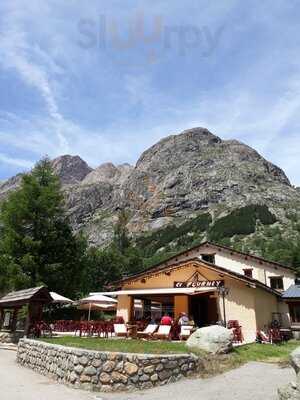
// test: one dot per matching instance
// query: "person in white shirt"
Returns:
(183, 320)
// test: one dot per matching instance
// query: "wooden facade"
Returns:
(11, 304)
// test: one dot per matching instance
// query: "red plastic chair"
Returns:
(275, 335)
(238, 336)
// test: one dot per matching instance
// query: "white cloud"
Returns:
(17, 162)
(242, 108)
(33, 65)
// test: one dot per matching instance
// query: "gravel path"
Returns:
(254, 381)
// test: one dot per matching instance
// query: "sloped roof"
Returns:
(162, 264)
(231, 250)
(293, 292)
(20, 297)
(254, 257)
(235, 275)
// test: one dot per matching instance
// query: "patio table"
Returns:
(132, 330)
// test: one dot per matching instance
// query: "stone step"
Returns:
(8, 346)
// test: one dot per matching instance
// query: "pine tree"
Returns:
(37, 244)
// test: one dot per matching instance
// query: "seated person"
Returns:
(184, 319)
(166, 320)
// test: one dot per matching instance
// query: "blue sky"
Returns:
(105, 80)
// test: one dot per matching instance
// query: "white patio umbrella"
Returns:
(99, 300)
(59, 299)
(95, 307)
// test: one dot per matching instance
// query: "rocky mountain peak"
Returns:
(70, 169)
(9, 185)
(177, 178)
(108, 173)
(179, 146)
(104, 173)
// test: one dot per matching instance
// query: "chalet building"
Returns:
(292, 298)
(213, 283)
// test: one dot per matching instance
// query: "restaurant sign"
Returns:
(197, 281)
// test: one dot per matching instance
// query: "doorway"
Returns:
(204, 310)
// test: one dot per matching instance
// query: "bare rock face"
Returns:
(108, 173)
(104, 173)
(70, 169)
(125, 171)
(180, 176)
(10, 185)
(196, 171)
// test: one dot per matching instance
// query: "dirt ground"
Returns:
(253, 381)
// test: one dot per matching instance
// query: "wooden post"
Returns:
(1, 317)
(39, 312)
(28, 321)
(146, 308)
(131, 309)
(89, 315)
(14, 320)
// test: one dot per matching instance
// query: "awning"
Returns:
(59, 299)
(292, 293)
(135, 292)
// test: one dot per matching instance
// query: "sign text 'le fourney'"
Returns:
(198, 284)
(198, 280)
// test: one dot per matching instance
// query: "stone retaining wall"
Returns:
(10, 337)
(104, 371)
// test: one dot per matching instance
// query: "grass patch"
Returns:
(214, 365)
(210, 364)
(265, 352)
(120, 345)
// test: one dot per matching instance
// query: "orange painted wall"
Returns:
(181, 304)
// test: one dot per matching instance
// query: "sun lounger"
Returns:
(148, 331)
(120, 330)
(185, 332)
(163, 332)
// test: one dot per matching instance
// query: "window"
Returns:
(208, 258)
(7, 319)
(276, 282)
(248, 272)
(295, 312)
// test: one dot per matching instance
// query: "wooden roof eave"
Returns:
(163, 264)
(220, 270)
(15, 300)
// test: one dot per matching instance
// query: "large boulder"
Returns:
(289, 392)
(292, 390)
(295, 362)
(212, 339)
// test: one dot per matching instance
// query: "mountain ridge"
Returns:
(175, 180)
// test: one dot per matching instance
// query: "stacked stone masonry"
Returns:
(104, 371)
(8, 337)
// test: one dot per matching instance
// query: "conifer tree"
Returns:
(37, 244)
